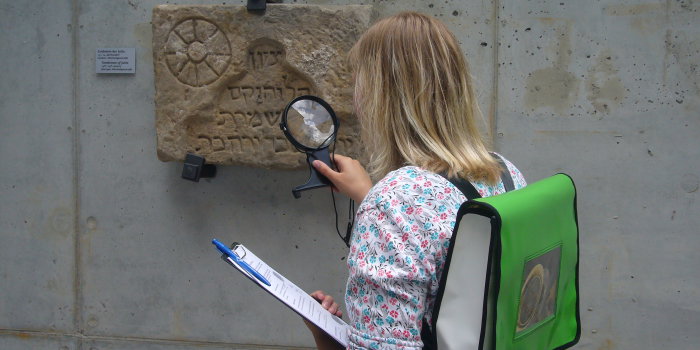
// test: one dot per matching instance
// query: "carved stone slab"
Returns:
(223, 76)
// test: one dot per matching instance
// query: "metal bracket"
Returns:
(257, 5)
(195, 168)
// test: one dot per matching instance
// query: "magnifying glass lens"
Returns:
(310, 124)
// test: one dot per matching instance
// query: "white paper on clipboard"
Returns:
(292, 296)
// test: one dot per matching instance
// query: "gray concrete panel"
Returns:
(36, 181)
(605, 92)
(150, 268)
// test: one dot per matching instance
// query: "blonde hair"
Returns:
(415, 101)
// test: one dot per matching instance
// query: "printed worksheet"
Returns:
(291, 295)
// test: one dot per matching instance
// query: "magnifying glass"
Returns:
(311, 126)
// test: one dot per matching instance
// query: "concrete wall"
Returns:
(104, 247)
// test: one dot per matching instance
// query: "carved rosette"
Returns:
(197, 52)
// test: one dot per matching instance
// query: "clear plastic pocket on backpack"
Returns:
(538, 294)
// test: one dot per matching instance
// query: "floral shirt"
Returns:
(397, 254)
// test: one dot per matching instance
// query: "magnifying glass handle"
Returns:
(324, 156)
(316, 180)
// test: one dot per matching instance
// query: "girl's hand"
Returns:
(351, 178)
(327, 302)
(323, 340)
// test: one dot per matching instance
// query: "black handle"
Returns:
(316, 180)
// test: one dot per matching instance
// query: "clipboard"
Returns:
(290, 294)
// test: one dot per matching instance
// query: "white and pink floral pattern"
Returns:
(397, 254)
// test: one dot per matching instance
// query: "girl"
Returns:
(417, 109)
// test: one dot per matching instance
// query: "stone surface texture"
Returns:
(224, 75)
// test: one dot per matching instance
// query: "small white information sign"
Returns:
(115, 60)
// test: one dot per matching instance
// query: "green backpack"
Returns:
(510, 279)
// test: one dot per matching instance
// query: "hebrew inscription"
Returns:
(224, 77)
(245, 126)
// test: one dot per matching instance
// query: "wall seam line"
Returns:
(493, 116)
(77, 273)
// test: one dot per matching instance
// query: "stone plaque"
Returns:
(223, 76)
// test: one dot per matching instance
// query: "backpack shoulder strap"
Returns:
(463, 185)
(505, 173)
(470, 191)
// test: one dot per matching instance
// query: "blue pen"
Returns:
(224, 249)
